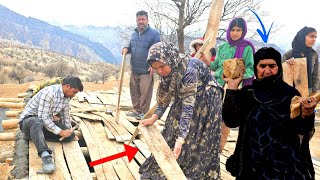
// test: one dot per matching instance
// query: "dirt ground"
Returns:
(12, 90)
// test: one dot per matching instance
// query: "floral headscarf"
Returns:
(168, 54)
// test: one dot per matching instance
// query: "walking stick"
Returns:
(120, 87)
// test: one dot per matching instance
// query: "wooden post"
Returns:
(22, 95)
(11, 100)
(7, 136)
(10, 123)
(11, 105)
(12, 113)
(120, 87)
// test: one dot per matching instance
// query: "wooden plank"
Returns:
(113, 131)
(80, 96)
(119, 166)
(162, 153)
(87, 116)
(76, 162)
(99, 152)
(133, 166)
(109, 133)
(92, 148)
(296, 75)
(142, 147)
(35, 163)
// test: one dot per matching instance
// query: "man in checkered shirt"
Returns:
(46, 116)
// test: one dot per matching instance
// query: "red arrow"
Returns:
(129, 151)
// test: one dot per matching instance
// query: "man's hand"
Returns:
(204, 59)
(76, 138)
(65, 133)
(124, 51)
(232, 83)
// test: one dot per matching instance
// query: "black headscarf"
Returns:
(266, 88)
(299, 49)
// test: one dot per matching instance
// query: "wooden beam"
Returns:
(162, 153)
(12, 113)
(10, 123)
(7, 136)
(12, 105)
(16, 100)
(35, 163)
(76, 162)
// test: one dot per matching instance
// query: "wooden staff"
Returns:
(120, 87)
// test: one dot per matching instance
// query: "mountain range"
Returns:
(89, 43)
(38, 33)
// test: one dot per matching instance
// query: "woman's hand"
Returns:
(290, 61)
(204, 59)
(307, 106)
(177, 149)
(149, 121)
(232, 83)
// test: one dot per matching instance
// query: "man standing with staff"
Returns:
(141, 80)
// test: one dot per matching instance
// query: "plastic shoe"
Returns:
(132, 114)
(48, 164)
(140, 116)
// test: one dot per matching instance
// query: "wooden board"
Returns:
(76, 162)
(119, 166)
(35, 163)
(162, 153)
(296, 75)
(100, 152)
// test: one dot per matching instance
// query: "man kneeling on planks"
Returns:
(39, 121)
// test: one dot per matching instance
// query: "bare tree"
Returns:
(18, 74)
(50, 71)
(173, 17)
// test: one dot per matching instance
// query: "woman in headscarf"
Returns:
(236, 47)
(302, 47)
(270, 145)
(192, 128)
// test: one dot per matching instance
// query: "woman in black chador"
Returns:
(270, 145)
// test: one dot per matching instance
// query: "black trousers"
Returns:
(33, 128)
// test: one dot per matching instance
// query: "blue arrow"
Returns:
(264, 35)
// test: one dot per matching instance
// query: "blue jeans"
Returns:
(33, 128)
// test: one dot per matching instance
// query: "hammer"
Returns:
(72, 129)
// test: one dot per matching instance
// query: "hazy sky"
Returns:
(291, 14)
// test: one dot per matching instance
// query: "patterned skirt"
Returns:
(199, 157)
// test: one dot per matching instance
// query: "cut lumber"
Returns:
(296, 75)
(12, 105)
(80, 96)
(10, 136)
(16, 100)
(22, 95)
(119, 166)
(35, 163)
(10, 123)
(87, 116)
(92, 149)
(162, 153)
(12, 113)
(76, 162)
(143, 148)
